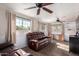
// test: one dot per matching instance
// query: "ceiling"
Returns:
(64, 11)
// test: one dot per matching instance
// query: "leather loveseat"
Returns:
(37, 40)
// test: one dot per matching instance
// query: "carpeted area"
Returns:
(53, 49)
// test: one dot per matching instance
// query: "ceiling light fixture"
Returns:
(58, 20)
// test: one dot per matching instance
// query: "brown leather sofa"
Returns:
(8, 49)
(5, 45)
(37, 40)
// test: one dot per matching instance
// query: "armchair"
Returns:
(37, 40)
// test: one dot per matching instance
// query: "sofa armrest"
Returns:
(43, 37)
(33, 40)
(47, 37)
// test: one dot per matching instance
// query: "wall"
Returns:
(3, 25)
(21, 40)
(35, 25)
(69, 29)
(43, 28)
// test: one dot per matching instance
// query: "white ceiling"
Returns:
(64, 11)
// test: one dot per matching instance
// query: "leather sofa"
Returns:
(8, 49)
(37, 40)
(5, 45)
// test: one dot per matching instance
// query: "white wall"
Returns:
(46, 30)
(35, 25)
(43, 28)
(21, 40)
(3, 25)
(69, 29)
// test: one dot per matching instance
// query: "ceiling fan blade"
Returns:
(38, 11)
(45, 4)
(30, 8)
(46, 9)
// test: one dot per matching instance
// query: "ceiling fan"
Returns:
(41, 6)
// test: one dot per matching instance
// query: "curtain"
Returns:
(11, 27)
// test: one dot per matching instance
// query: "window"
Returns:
(23, 24)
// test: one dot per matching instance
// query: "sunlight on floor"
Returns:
(62, 46)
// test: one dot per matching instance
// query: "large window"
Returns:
(23, 24)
